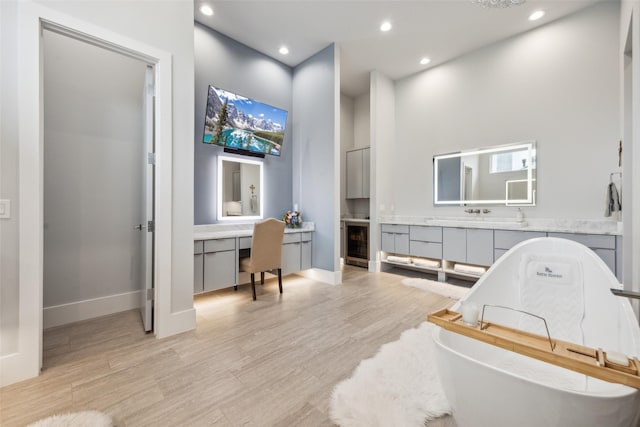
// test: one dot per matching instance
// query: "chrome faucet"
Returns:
(473, 211)
(485, 211)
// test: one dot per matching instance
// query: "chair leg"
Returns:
(262, 277)
(253, 285)
(280, 279)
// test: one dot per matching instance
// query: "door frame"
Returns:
(33, 17)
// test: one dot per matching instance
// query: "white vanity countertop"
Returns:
(362, 220)
(531, 224)
(221, 231)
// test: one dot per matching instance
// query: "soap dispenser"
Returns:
(519, 215)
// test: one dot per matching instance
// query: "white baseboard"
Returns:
(181, 321)
(88, 309)
(324, 276)
(13, 369)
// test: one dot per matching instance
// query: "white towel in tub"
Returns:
(552, 287)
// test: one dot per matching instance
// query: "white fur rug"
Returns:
(444, 289)
(399, 386)
(76, 419)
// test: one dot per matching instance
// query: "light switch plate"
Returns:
(5, 208)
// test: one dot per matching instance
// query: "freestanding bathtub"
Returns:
(568, 285)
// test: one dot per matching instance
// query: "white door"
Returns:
(146, 228)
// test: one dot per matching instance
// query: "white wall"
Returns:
(630, 131)
(362, 121)
(316, 160)
(346, 143)
(9, 288)
(557, 84)
(383, 153)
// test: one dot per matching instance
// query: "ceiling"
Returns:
(438, 29)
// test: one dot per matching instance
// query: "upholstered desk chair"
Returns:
(266, 251)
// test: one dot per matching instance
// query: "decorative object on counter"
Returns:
(519, 215)
(292, 219)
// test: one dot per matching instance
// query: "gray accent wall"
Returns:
(225, 63)
(316, 102)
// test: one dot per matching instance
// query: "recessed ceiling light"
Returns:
(425, 61)
(386, 26)
(283, 50)
(206, 10)
(536, 15)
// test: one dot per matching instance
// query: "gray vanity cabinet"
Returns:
(220, 264)
(468, 245)
(291, 253)
(602, 244)
(395, 238)
(198, 266)
(305, 251)
(479, 246)
(425, 241)
(506, 239)
(454, 244)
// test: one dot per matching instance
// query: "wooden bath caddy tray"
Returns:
(578, 358)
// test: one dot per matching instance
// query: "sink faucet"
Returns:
(473, 211)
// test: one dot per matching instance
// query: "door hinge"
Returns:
(151, 158)
(151, 226)
(150, 294)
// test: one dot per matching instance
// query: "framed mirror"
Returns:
(240, 189)
(499, 175)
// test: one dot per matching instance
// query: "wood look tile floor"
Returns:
(270, 362)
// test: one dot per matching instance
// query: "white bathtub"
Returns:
(489, 386)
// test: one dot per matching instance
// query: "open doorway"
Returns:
(98, 181)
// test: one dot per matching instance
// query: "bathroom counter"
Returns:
(544, 225)
(221, 231)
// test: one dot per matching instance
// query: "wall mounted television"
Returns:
(243, 125)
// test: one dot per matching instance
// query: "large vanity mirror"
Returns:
(499, 175)
(240, 188)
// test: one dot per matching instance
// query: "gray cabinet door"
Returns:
(506, 239)
(290, 258)
(354, 174)
(479, 246)
(198, 273)
(219, 270)
(305, 256)
(608, 256)
(454, 244)
(387, 243)
(401, 242)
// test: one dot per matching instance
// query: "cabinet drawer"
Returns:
(216, 245)
(593, 241)
(197, 247)
(244, 243)
(291, 238)
(506, 239)
(425, 249)
(306, 236)
(394, 228)
(425, 233)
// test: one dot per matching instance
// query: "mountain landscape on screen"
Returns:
(242, 123)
